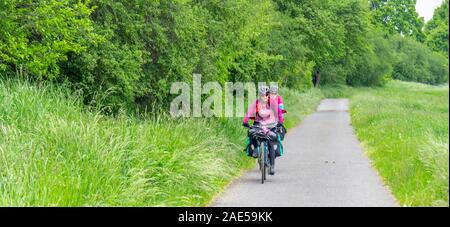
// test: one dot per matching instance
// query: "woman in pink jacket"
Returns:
(276, 99)
(273, 90)
(265, 112)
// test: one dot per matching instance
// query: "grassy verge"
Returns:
(55, 152)
(404, 130)
(299, 105)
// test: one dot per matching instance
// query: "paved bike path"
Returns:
(324, 165)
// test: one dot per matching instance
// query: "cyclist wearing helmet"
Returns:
(276, 100)
(261, 110)
(273, 90)
(263, 113)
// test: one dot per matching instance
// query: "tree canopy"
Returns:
(400, 17)
(436, 29)
(128, 53)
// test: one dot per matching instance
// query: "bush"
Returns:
(333, 75)
(36, 36)
(415, 62)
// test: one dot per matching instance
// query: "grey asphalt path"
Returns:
(323, 165)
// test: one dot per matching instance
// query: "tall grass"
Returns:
(56, 152)
(434, 155)
(404, 129)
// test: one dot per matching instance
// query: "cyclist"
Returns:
(276, 99)
(273, 90)
(263, 114)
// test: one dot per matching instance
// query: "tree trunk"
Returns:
(316, 79)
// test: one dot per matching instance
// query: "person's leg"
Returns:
(253, 147)
(249, 149)
(272, 151)
(254, 142)
(279, 146)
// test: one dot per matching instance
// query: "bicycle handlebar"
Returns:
(271, 125)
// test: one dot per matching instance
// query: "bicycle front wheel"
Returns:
(262, 161)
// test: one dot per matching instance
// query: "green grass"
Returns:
(299, 105)
(404, 130)
(56, 152)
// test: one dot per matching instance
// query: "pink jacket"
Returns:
(265, 114)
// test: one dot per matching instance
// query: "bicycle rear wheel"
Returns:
(266, 147)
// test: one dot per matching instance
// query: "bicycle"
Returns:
(263, 134)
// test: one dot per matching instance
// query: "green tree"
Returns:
(126, 54)
(318, 30)
(148, 45)
(36, 36)
(416, 62)
(373, 66)
(237, 32)
(398, 16)
(352, 15)
(436, 30)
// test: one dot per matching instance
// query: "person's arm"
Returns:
(250, 113)
(281, 105)
(280, 110)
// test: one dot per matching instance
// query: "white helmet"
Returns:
(263, 89)
(273, 89)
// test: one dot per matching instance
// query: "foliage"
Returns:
(415, 62)
(398, 17)
(126, 54)
(37, 36)
(436, 30)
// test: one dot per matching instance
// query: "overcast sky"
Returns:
(425, 8)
